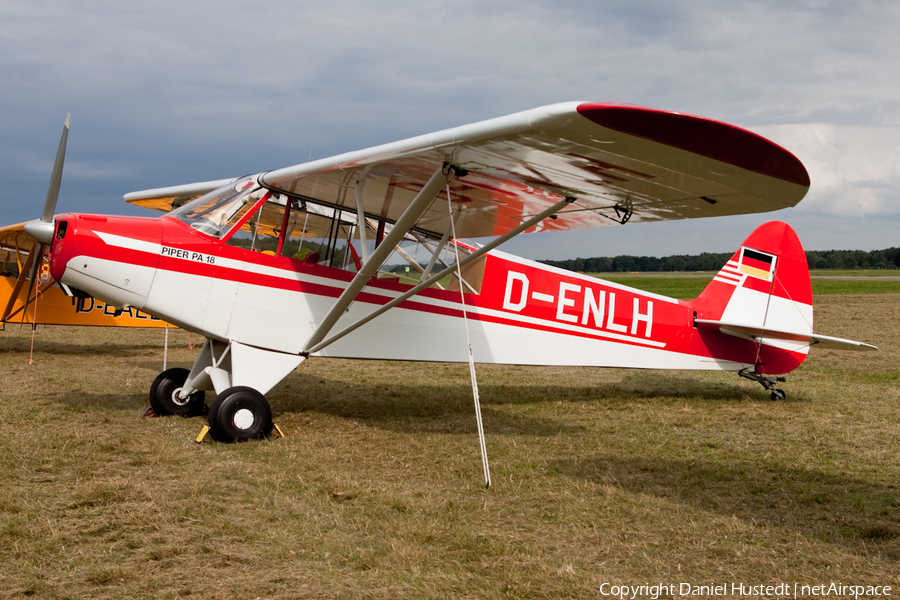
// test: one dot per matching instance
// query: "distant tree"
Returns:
(892, 257)
(713, 261)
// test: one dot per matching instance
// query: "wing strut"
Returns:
(440, 245)
(361, 214)
(318, 345)
(406, 221)
(24, 270)
(435, 256)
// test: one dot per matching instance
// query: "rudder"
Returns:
(765, 285)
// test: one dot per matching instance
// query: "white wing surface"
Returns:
(621, 163)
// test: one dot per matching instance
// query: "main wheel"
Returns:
(164, 398)
(239, 414)
(778, 395)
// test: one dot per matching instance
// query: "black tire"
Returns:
(239, 414)
(162, 395)
(778, 395)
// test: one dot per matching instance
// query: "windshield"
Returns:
(218, 211)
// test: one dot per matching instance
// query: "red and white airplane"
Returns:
(355, 256)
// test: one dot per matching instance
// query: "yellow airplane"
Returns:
(35, 298)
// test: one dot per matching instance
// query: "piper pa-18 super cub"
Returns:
(357, 256)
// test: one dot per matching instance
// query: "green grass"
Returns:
(687, 286)
(855, 286)
(600, 476)
(855, 272)
(681, 287)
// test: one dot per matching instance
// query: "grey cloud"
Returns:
(166, 92)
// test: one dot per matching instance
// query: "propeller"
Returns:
(42, 229)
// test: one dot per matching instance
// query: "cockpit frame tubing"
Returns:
(407, 220)
(361, 214)
(284, 222)
(440, 245)
(247, 216)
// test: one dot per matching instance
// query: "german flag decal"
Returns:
(757, 264)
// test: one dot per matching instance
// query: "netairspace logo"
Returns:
(724, 590)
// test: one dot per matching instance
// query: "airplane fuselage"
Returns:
(524, 312)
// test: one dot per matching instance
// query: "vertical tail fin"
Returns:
(765, 285)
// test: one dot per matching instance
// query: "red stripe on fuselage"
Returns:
(554, 301)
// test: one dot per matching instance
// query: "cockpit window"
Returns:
(218, 211)
(322, 235)
(306, 232)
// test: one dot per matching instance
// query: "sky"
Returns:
(166, 92)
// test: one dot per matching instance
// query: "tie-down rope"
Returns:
(37, 294)
(462, 297)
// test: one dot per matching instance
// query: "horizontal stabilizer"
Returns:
(760, 334)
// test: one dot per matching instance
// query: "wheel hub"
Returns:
(243, 419)
(177, 399)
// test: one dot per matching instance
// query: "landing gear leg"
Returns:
(767, 382)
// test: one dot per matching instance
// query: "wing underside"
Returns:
(620, 163)
(14, 242)
(170, 198)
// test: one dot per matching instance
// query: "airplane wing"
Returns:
(621, 163)
(757, 334)
(171, 197)
(14, 240)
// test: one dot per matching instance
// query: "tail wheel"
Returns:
(239, 414)
(164, 399)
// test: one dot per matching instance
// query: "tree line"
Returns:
(713, 261)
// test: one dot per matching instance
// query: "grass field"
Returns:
(686, 286)
(600, 476)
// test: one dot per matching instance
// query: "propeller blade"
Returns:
(32, 282)
(35, 265)
(42, 229)
(56, 177)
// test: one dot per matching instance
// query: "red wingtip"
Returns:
(709, 138)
